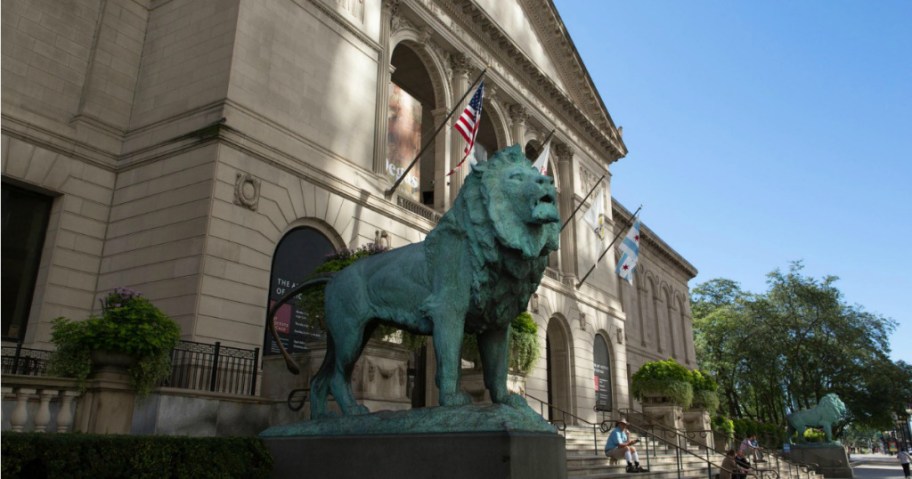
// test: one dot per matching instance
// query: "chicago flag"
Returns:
(630, 252)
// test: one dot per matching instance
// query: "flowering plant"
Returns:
(129, 324)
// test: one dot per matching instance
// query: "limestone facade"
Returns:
(179, 141)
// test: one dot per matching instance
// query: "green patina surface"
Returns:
(491, 418)
(473, 274)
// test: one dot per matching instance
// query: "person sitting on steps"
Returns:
(743, 463)
(619, 446)
(749, 447)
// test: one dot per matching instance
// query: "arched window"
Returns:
(601, 362)
(296, 257)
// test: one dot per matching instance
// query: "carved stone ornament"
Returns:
(247, 191)
(518, 113)
(589, 178)
(460, 63)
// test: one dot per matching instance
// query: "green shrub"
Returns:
(524, 345)
(129, 324)
(92, 456)
(705, 390)
(814, 435)
(665, 378)
(724, 425)
(769, 435)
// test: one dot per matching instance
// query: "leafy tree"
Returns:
(785, 349)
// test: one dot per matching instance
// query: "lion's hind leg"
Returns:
(348, 348)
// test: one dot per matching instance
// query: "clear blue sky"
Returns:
(763, 132)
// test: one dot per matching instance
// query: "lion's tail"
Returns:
(310, 281)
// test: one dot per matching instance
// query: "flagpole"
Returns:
(388, 193)
(618, 235)
(548, 138)
(580, 205)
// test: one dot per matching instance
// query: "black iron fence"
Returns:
(198, 366)
(213, 367)
(24, 361)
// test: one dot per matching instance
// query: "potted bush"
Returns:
(724, 432)
(705, 391)
(524, 345)
(663, 382)
(131, 333)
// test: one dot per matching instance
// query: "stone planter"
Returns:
(668, 415)
(111, 361)
(472, 382)
(108, 404)
(698, 426)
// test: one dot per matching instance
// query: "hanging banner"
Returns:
(602, 375)
(403, 141)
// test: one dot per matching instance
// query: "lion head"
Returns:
(832, 408)
(520, 202)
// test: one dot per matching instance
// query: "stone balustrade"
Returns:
(39, 404)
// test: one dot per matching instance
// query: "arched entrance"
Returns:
(410, 123)
(557, 355)
(296, 257)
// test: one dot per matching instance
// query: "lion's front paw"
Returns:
(457, 398)
(513, 400)
(357, 410)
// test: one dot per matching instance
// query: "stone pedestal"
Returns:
(668, 415)
(489, 455)
(698, 426)
(491, 442)
(832, 460)
(107, 407)
(472, 382)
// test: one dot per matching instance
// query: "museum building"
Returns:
(211, 153)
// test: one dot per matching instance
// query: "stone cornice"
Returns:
(559, 44)
(465, 17)
(649, 238)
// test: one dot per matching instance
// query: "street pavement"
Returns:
(876, 466)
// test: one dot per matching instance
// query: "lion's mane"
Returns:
(508, 256)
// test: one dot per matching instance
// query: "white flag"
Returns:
(541, 163)
(630, 252)
(595, 215)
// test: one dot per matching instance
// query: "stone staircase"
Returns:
(585, 459)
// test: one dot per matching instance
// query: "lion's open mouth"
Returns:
(546, 209)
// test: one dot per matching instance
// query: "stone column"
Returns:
(669, 313)
(655, 307)
(461, 65)
(518, 117)
(568, 237)
(441, 160)
(384, 73)
(687, 327)
(641, 296)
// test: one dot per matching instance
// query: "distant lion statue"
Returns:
(828, 412)
(474, 273)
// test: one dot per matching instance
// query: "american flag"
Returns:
(467, 124)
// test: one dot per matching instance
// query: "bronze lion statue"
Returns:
(473, 273)
(828, 412)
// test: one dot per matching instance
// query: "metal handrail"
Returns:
(563, 426)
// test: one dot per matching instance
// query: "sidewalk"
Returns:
(873, 459)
